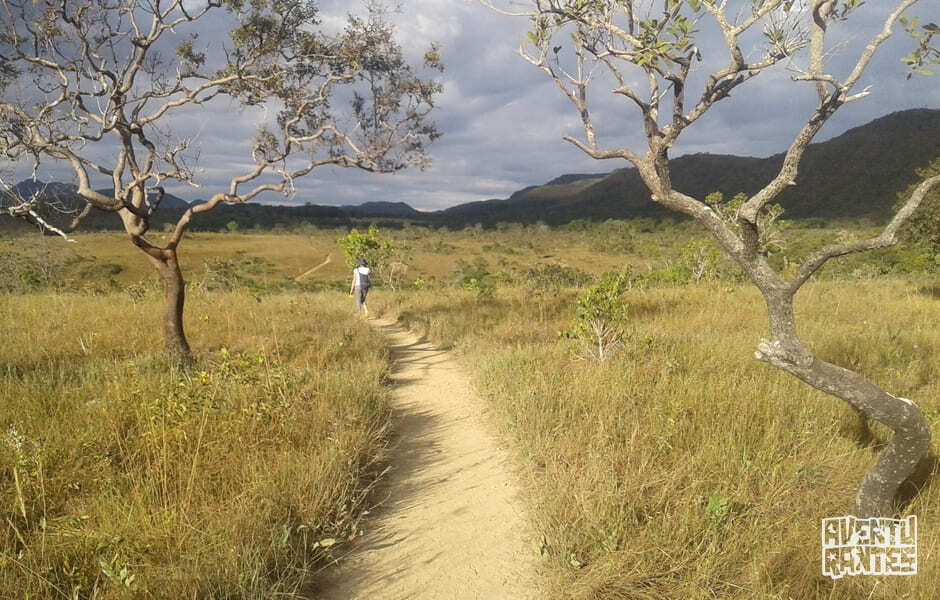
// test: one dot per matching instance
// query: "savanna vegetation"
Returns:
(127, 474)
(647, 65)
(344, 98)
(672, 468)
(660, 462)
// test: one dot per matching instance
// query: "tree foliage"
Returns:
(600, 317)
(924, 226)
(925, 54)
(368, 245)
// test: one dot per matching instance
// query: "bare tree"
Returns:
(647, 51)
(101, 87)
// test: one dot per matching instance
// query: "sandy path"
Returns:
(450, 524)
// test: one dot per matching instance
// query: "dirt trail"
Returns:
(450, 523)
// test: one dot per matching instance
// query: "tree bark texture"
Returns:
(174, 337)
(911, 439)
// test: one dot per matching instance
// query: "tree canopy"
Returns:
(103, 86)
(118, 89)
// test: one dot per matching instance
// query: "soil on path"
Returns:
(450, 524)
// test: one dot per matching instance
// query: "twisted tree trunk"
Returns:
(165, 263)
(911, 439)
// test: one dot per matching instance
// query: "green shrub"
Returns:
(481, 288)
(464, 271)
(388, 260)
(676, 274)
(616, 237)
(923, 228)
(475, 277)
(600, 316)
(34, 269)
(368, 245)
(702, 259)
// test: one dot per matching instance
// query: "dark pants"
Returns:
(360, 294)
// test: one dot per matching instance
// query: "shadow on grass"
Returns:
(927, 469)
(467, 311)
(861, 433)
(645, 308)
(931, 290)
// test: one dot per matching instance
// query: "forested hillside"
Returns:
(856, 175)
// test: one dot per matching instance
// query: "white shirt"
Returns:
(358, 272)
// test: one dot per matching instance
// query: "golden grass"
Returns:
(622, 457)
(432, 254)
(220, 480)
(125, 475)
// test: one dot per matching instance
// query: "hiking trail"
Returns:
(450, 524)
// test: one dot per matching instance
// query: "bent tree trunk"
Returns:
(911, 439)
(167, 266)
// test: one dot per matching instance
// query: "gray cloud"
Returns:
(503, 120)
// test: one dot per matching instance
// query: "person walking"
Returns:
(361, 282)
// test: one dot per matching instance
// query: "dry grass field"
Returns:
(682, 467)
(678, 468)
(125, 475)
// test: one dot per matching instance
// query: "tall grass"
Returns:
(123, 474)
(683, 468)
(680, 468)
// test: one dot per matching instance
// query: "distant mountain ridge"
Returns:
(854, 175)
(381, 209)
(68, 193)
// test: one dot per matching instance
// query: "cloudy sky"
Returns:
(503, 120)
